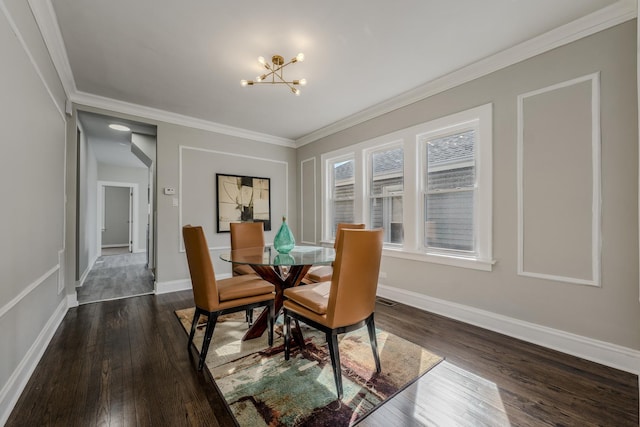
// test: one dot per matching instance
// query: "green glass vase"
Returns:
(284, 240)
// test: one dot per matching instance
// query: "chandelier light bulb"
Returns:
(300, 57)
(243, 82)
(261, 60)
(302, 82)
(296, 91)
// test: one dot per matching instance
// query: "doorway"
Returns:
(115, 232)
(118, 219)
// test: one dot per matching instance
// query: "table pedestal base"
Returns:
(296, 273)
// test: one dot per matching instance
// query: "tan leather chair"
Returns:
(344, 304)
(216, 297)
(322, 273)
(246, 235)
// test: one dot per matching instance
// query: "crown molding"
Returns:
(97, 101)
(607, 17)
(47, 22)
(617, 13)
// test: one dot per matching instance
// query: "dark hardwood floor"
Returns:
(125, 363)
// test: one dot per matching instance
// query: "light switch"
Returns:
(169, 190)
(175, 202)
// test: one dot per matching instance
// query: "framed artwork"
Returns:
(243, 199)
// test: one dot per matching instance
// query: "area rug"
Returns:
(263, 389)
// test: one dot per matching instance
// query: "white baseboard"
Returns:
(72, 300)
(86, 272)
(180, 285)
(172, 286)
(605, 353)
(18, 380)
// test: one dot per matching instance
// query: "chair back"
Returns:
(246, 235)
(355, 277)
(203, 279)
(343, 225)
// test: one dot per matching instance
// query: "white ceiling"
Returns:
(188, 57)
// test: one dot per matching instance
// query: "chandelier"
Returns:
(274, 74)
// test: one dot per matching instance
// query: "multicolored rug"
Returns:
(263, 389)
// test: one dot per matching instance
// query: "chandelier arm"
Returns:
(283, 82)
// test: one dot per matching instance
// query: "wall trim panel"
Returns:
(206, 150)
(595, 183)
(26, 291)
(313, 209)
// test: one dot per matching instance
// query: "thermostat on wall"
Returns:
(169, 190)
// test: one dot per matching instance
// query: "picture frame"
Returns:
(241, 198)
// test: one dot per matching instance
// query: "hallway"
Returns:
(116, 276)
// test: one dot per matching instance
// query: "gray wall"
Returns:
(188, 160)
(146, 145)
(32, 301)
(609, 313)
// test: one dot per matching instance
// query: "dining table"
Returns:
(280, 269)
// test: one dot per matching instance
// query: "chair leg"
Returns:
(272, 312)
(297, 335)
(287, 334)
(249, 317)
(194, 323)
(371, 326)
(332, 340)
(211, 325)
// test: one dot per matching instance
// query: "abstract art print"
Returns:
(243, 199)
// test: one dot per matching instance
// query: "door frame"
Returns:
(133, 212)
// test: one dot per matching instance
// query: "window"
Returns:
(456, 186)
(386, 185)
(450, 189)
(342, 192)
(428, 186)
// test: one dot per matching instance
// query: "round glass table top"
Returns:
(268, 256)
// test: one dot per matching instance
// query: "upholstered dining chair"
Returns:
(322, 273)
(344, 304)
(246, 235)
(217, 297)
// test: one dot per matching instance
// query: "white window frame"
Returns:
(480, 120)
(368, 155)
(413, 203)
(327, 191)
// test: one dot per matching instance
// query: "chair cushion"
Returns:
(242, 287)
(313, 297)
(321, 273)
(240, 269)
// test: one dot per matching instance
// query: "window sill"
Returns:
(475, 264)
